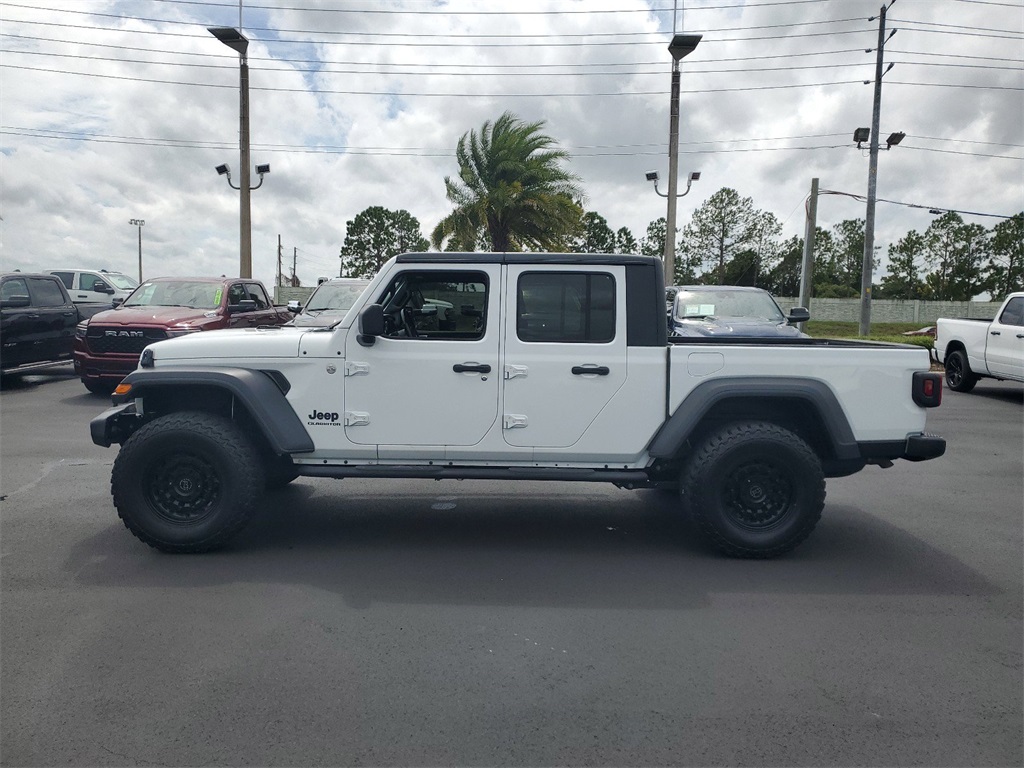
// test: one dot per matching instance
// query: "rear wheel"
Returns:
(186, 482)
(959, 377)
(755, 489)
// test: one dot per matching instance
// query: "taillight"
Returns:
(927, 389)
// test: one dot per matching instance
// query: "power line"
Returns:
(957, 152)
(657, 149)
(474, 66)
(398, 12)
(604, 94)
(419, 35)
(420, 43)
(327, 67)
(862, 198)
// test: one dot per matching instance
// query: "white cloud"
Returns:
(102, 136)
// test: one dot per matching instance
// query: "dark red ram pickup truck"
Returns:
(108, 346)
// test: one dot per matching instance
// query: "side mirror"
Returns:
(799, 315)
(100, 287)
(294, 307)
(16, 301)
(245, 305)
(117, 301)
(371, 324)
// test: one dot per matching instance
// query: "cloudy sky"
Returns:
(112, 110)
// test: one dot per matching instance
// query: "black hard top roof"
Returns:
(595, 259)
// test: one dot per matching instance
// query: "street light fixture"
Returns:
(681, 46)
(860, 135)
(140, 223)
(691, 177)
(225, 170)
(894, 139)
(236, 41)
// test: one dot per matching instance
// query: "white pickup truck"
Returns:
(971, 349)
(511, 366)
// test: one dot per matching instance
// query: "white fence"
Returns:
(894, 311)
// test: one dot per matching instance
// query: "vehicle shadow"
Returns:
(1012, 393)
(481, 547)
(27, 380)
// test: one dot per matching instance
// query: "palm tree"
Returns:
(511, 191)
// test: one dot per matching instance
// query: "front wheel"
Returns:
(959, 377)
(755, 489)
(186, 482)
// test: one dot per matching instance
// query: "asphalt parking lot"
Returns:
(364, 622)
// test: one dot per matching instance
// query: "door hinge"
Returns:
(354, 369)
(356, 418)
(512, 371)
(515, 421)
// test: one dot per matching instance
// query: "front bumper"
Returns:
(111, 426)
(104, 368)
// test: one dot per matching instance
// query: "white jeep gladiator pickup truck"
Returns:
(511, 366)
(971, 349)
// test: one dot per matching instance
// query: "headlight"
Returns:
(80, 329)
(172, 333)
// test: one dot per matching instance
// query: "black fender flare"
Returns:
(705, 396)
(262, 393)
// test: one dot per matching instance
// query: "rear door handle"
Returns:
(582, 370)
(471, 368)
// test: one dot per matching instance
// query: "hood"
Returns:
(231, 343)
(317, 318)
(159, 316)
(739, 327)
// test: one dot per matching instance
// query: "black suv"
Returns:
(37, 322)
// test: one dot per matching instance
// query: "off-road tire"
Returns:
(186, 482)
(755, 489)
(959, 377)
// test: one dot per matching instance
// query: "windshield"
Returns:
(121, 282)
(335, 296)
(698, 304)
(177, 293)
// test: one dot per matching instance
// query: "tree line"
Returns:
(512, 193)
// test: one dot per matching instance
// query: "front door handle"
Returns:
(471, 368)
(995, 333)
(581, 370)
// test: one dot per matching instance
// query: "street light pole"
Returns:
(680, 46)
(234, 39)
(245, 229)
(140, 223)
(869, 215)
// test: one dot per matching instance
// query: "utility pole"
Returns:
(279, 261)
(295, 258)
(807, 267)
(869, 216)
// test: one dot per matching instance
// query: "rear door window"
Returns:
(46, 293)
(565, 307)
